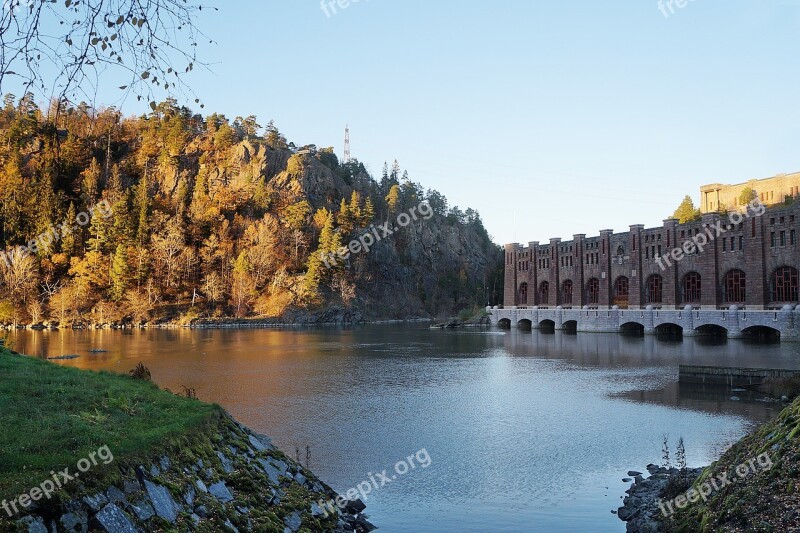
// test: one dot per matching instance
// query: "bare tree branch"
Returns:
(61, 48)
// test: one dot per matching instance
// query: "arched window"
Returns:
(692, 288)
(593, 291)
(734, 287)
(784, 285)
(566, 292)
(655, 289)
(544, 293)
(523, 294)
(620, 251)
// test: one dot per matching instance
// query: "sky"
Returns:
(550, 118)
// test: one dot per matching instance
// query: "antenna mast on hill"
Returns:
(347, 144)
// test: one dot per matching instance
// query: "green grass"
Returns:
(53, 416)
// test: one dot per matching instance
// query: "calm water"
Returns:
(525, 431)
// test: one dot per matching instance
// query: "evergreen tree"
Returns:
(355, 207)
(686, 212)
(393, 200)
(90, 181)
(142, 207)
(368, 214)
(69, 241)
(120, 273)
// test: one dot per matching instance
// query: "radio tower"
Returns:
(347, 144)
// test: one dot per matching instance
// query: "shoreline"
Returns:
(640, 509)
(210, 474)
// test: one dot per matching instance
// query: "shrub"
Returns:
(141, 372)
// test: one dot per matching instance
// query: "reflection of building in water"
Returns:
(646, 368)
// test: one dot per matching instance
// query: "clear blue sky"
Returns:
(568, 116)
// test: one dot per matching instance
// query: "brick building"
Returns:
(770, 191)
(750, 260)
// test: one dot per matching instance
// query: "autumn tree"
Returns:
(686, 212)
(120, 273)
(746, 196)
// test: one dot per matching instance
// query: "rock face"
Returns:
(228, 480)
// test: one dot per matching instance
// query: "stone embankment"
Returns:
(230, 480)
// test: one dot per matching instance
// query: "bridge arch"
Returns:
(524, 323)
(669, 329)
(504, 323)
(632, 328)
(547, 325)
(571, 326)
(762, 333)
(714, 330)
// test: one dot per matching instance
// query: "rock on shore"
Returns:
(640, 507)
(230, 480)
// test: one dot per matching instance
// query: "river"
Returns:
(511, 430)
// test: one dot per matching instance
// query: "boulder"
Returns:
(114, 495)
(260, 443)
(143, 510)
(162, 501)
(95, 502)
(293, 521)
(114, 520)
(32, 524)
(227, 465)
(354, 506)
(221, 492)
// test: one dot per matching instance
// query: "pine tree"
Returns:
(142, 207)
(69, 239)
(120, 273)
(686, 212)
(355, 207)
(90, 181)
(114, 186)
(393, 199)
(368, 214)
(344, 218)
(99, 229)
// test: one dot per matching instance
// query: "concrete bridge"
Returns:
(733, 322)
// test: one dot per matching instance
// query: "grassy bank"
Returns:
(764, 492)
(53, 416)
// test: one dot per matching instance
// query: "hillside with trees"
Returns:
(205, 217)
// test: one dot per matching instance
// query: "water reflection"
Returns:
(523, 427)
